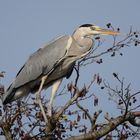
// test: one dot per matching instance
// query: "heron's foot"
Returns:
(49, 111)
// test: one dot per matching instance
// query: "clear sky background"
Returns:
(26, 25)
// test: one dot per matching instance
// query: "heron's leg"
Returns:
(38, 97)
(55, 87)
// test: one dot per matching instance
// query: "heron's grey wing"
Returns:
(44, 58)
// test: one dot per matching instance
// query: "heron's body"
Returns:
(49, 65)
(43, 62)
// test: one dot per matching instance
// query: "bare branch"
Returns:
(114, 123)
(70, 102)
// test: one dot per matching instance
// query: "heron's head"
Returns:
(90, 29)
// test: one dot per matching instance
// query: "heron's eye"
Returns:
(92, 28)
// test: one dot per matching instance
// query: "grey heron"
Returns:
(50, 64)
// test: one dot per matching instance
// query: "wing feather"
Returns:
(42, 60)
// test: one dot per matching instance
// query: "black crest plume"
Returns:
(86, 25)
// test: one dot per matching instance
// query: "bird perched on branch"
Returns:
(50, 64)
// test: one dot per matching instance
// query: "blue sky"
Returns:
(28, 25)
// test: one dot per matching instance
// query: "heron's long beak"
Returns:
(107, 32)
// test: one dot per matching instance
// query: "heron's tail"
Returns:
(8, 96)
(13, 93)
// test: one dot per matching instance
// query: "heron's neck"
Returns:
(81, 39)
